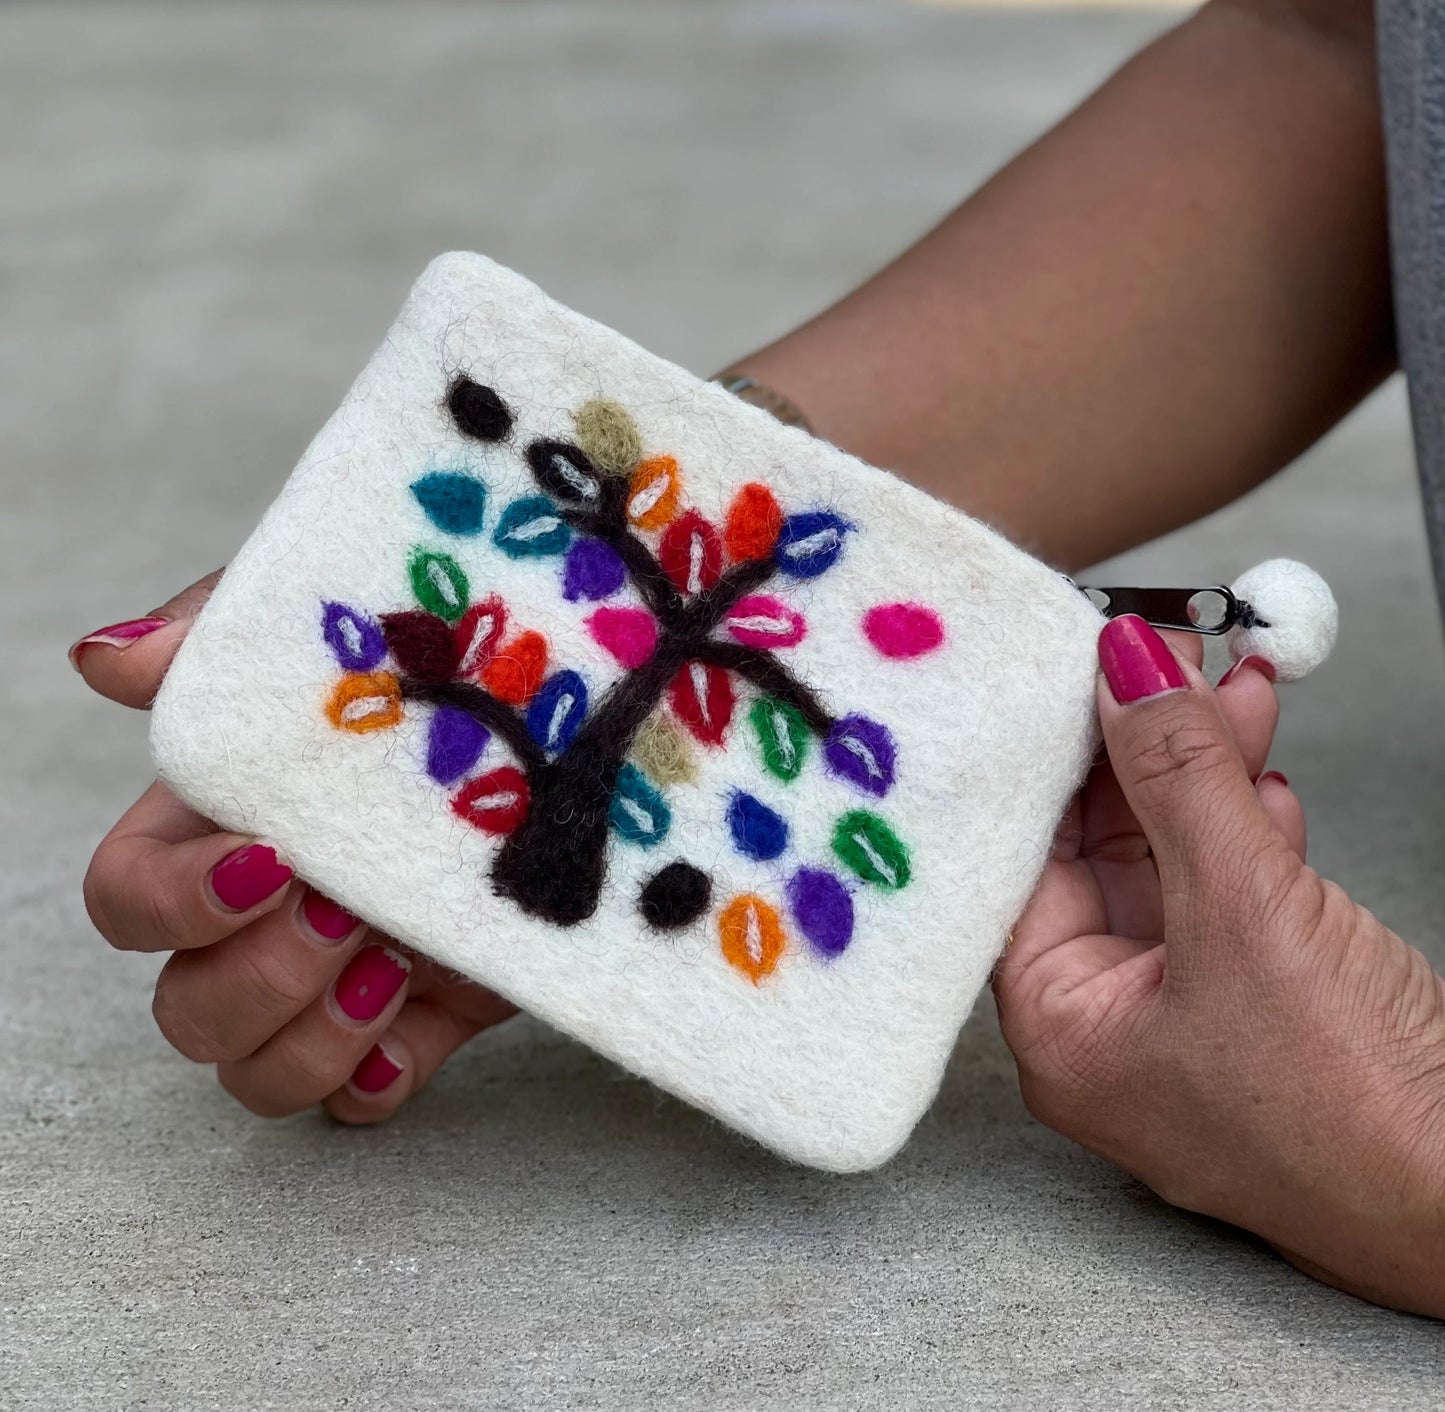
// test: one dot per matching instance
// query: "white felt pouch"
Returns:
(711, 745)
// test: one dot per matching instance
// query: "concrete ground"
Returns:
(208, 215)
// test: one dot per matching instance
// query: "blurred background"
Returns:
(209, 214)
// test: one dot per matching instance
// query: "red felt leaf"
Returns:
(421, 644)
(478, 634)
(691, 553)
(702, 698)
(495, 802)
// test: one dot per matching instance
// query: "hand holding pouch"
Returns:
(698, 738)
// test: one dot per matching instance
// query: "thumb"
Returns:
(127, 661)
(1182, 774)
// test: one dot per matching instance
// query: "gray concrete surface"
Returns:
(207, 216)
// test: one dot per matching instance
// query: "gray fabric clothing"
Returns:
(1412, 83)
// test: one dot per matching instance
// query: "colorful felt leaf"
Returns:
(593, 570)
(478, 634)
(556, 712)
(760, 620)
(454, 501)
(628, 634)
(439, 584)
(608, 435)
(516, 670)
(354, 638)
(691, 553)
(752, 937)
(862, 752)
(758, 832)
(637, 812)
(421, 644)
(903, 630)
(664, 752)
(531, 528)
(783, 735)
(822, 909)
(365, 701)
(753, 523)
(809, 544)
(655, 492)
(455, 743)
(701, 696)
(563, 471)
(866, 845)
(495, 802)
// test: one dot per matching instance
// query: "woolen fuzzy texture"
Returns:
(1294, 619)
(819, 1026)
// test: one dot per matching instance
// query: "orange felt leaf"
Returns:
(654, 493)
(752, 936)
(364, 702)
(753, 524)
(515, 673)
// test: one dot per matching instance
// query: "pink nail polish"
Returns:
(1262, 665)
(1275, 775)
(1137, 662)
(365, 988)
(378, 1070)
(325, 918)
(248, 876)
(116, 635)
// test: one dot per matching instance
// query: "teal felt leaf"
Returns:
(532, 528)
(638, 813)
(454, 502)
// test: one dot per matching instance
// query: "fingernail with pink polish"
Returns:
(365, 988)
(116, 635)
(249, 876)
(1137, 662)
(1274, 775)
(328, 920)
(1262, 665)
(378, 1070)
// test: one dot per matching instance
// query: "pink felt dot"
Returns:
(901, 630)
(629, 634)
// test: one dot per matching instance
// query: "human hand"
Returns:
(1189, 1000)
(292, 999)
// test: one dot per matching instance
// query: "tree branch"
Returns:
(765, 671)
(506, 721)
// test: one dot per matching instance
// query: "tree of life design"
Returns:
(705, 620)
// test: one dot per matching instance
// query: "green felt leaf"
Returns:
(867, 846)
(439, 583)
(783, 735)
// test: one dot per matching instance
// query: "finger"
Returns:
(1180, 770)
(225, 1001)
(319, 1050)
(1285, 811)
(401, 1063)
(1250, 705)
(164, 879)
(127, 661)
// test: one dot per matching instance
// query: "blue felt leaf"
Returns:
(638, 812)
(556, 712)
(863, 753)
(453, 501)
(354, 638)
(809, 544)
(531, 528)
(758, 832)
(454, 745)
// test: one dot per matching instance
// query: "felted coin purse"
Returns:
(703, 741)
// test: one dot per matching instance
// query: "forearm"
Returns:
(1153, 308)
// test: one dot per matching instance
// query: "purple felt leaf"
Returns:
(354, 639)
(455, 744)
(822, 908)
(863, 753)
(593, 571)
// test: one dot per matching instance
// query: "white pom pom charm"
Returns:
(1288, 617)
